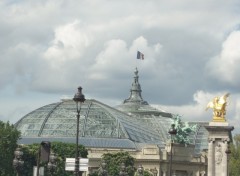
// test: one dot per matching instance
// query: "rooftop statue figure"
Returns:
(218, 104)
(102, 171)
(183, 130)
(140, 171)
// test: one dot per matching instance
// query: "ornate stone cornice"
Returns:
(219, 128)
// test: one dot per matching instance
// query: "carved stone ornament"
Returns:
(218, 154)
(211, 140)
(226, 140)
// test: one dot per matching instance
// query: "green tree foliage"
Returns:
(235, 157)
(114, 161)
(62, 150)
(29, 158)
(8, 143)
(147, 173)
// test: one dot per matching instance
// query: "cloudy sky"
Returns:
(49, 48)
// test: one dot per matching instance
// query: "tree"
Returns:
(62, 150)
(235, 157)
(114, 161)
(147, 173)
(9, 136)
(29, 158)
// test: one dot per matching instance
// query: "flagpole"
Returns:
(136, 60)
(136, 63)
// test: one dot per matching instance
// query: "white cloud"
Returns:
(117, 57)
(53, 46)
(197, 110)
(225, 66)
(70, 42)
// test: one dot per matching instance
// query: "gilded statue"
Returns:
(218, 104)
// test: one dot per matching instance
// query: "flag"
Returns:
(140, 55)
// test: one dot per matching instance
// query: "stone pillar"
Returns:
(164, 173)
(219, 137)
(189, 173)
(211, 157)
(202, 173)
(174, 173)
(225, 158)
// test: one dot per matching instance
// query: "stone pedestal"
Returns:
(219, 139)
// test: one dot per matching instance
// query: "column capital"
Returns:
(226, 140)
(202, 173)
(211, 140)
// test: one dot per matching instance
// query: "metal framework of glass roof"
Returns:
(132, 122)
(96, 120)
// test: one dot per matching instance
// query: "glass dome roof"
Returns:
(132, 123)
(96, 120)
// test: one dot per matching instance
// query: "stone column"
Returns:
(211, 157)
(225, 157)
(174, 173)
(164, 173)
(202, 173)
(189, 173)
(219, 135)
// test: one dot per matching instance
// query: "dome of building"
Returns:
(97, 120)
(135, 104)
(129, 125)
(158, 120)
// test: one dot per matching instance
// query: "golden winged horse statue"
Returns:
(218, 104)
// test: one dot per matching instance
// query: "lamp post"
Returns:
(172, 132)
(228, 152)
(17, 161)
(79, 99)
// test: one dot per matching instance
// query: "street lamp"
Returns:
(172, 132)
(17, 161)
(79, 99)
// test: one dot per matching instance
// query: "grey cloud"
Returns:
(189, 35)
